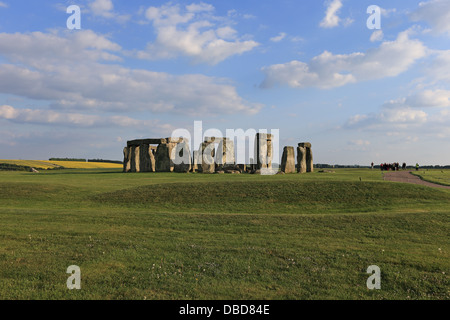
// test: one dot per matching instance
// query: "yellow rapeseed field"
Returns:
(41, 164)
(85, 165)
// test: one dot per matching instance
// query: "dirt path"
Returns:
(408, 177)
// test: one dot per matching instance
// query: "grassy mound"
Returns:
(271, 197)
(170, 236)
(436, 176)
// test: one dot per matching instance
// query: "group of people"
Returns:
(391, 166)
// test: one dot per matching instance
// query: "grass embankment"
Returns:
(435, 175)
(192, 236)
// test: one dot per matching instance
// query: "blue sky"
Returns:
(312, 69)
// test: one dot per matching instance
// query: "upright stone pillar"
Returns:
(225, 157)
(263, 151)
(126, 159)
(132, 159)
(306, 148)
(195, 162)
(288, 160)
(208, 155)
(137, 159)
(301, 160)
(162, 158)
(146, 158)
(309, 160)
(182, 161)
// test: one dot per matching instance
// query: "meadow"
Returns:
(193, 236)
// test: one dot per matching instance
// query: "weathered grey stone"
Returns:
(182, 160)
(126, 159)
(147, 159)
(288, 160)
(305, 145)
(213, 139)
(263, 150)
(195, 162)
(137, 157)
(208, 154)
(225, 155)
(132, 159)
(305, 158)
(136, 143)
(309, 160)
(176, 140)
(301, 160)
(139, 142)
(162, 158)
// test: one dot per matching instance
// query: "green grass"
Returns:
(435, 175)
(193, 236)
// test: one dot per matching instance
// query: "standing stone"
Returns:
(137, 159)
(132, 160)
(126, 159)
(208, 155)
(301, 160)
(182, 160)
(225, 158)
(162, 158)
(263, 151)
(194, 162)
(288, 160)
(147, 160)
(306, 149)
(309, 160)
(252, 166)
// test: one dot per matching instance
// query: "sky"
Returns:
(317, 71)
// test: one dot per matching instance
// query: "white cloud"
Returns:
(331, 18)
(102, 8)
(387, 12)
(3, 5)
(436, 13)
(429, 98)
(327, 70)
(105, 9)
(439, 68)
(50, 67)
(297, 39)
(389, 117)
(360, 142)
(50, 117)
(405, 114)
(377, 35)
(200, 7)
(279, 38)
(191, 31)
(44, 50)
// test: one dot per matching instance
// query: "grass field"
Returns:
(42, 164)
(194, 236)
(435, 175)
